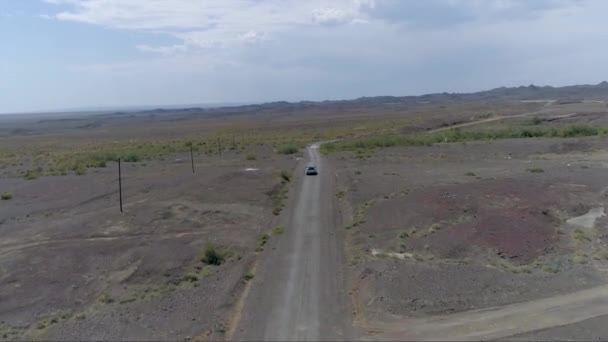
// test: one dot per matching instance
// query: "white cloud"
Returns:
(330, 16)
(165, 50)
(313, 49)
(204, 24)
(252, 37)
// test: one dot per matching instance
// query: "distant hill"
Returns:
(531, 92)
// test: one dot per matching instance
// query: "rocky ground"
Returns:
(72, 266)
(456, 227)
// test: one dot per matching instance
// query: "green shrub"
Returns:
(536, 170)
(287, 149)
(6, 196)
(33, 173)
(581, 235)
(212, 255)
(471, 174)
(106, 299)
(251, 156)
(285, 175)
(278, 230)
(80, 171)
(131, 158)
(535, 121)
(191, 278)
(248, 276)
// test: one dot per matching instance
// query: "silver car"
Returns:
(311, 170)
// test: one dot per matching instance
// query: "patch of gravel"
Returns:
(412, 289)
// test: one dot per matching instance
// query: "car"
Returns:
(311, 170)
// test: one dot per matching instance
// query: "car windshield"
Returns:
(151, 182)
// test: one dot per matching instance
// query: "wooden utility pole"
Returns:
(120, 185)
(192, 157)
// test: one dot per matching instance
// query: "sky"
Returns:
(63, 54)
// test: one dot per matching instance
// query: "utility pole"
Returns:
(219, 147)
(192, 157)
(120, 185)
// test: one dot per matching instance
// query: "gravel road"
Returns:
(298, 293)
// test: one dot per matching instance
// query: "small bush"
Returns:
(471, 174)
(191, 278)
(263, 239)
(550, 269)
(106, 299)
(276, 211)
(206, 271)
(251, 156)
(581, 235)
(285, 175)
(278, 230)
(287, 149)
(536, 170)
(212, 255)
(434, 228)
(131, 158)
(535, 121)
(248, 276)
(6, 196)
(127, 300)
(80, 171)
(33, 173)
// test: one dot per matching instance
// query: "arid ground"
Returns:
(473, 216)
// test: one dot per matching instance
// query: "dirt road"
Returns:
(298, 293)
(499, 323)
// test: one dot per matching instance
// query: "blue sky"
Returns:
(60, 54)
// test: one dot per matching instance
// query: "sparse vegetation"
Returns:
(5, 196)
(459, 135)
(550, 269)
(435, 227)
(127, 300)
(601, 255)
(509, 267)
(251, 156)
(534, 121)
(279, 193)
(206, 271)
(580, 259)
(262, 240)
(190, 277)
(33, 173)
(470, 174)
(287, 149)
(580, 235)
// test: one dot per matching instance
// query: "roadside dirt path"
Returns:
(498, 323)
(477, 122)
(299, 291)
